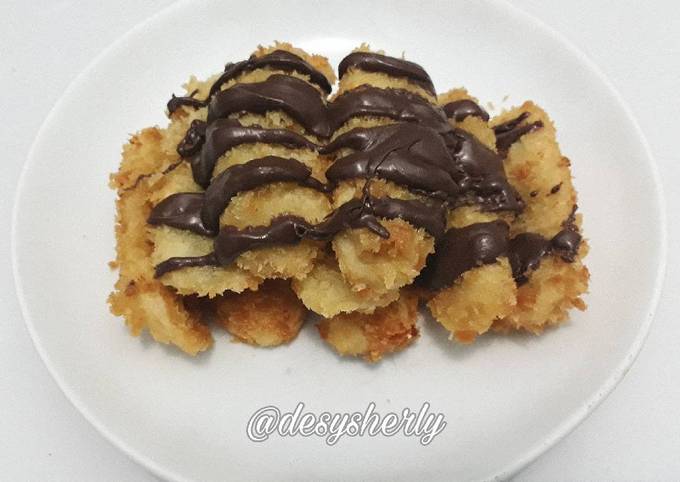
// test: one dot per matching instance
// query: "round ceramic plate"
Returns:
(505, 399)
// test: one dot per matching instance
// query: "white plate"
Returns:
(506, 399)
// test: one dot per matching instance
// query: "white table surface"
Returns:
(633, 435)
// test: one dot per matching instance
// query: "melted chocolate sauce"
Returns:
(225, 134)
(179, 262)
(482, 175)
(462, 249)
(526, 250)
(193, 140)
(566, 243)
(188, 100)
(395, 67)
(182, 211)
(423, 152)
(407, 154)
(278, 60)
(244, 177)
(525, 253)
(458, 110)
(357, 213)
(509, 132)
(399, 105)
(293, 96)
(354, 214)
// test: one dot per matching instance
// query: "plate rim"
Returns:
(558, 433)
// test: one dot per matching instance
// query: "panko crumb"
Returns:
(270, 316)
(371, 336)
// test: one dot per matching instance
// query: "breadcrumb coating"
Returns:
(199, 280)
(369, 263)
(142, 300)
(541, 174)
(375, 265)
(325, 291)
(552, 290)
(141, 157)
(372, 336)
(474, 125)
(270, 316)
(480, 296)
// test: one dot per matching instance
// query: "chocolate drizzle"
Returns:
(421, 151)
(399, 105)
(526, 250)
(566, 243)
(193, 140)
(182, 211)
(225, 134)
(409, 155)
(278, 59)
(244, 177)
(291, 95)
(284, 230)
(509, 132)
(188, 100)
(482, 175)
(458, 110)
(525, 253)
(395, 67)
(354, 214)
(462, 249)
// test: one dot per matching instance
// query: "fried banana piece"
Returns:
(142, 300)
(551, 291)
(325, 291)
(474, 125)
(372, 336)
(476, 299)
(270, 316)
(142, 156)
(482, 295)
(355, 77)
(156, 308)
(373, 265)
(208, 281)
(538, 170)
(170, 242)
(258, 207)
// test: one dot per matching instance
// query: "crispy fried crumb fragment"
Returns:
(270, 316)
(372, 336)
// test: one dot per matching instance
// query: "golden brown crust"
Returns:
(536, 168)
(325, 291)
(542, 175)
(375, 265)
(372, 336)
(478, 298)
(552, 290)
(142, 300)
(270, 316)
